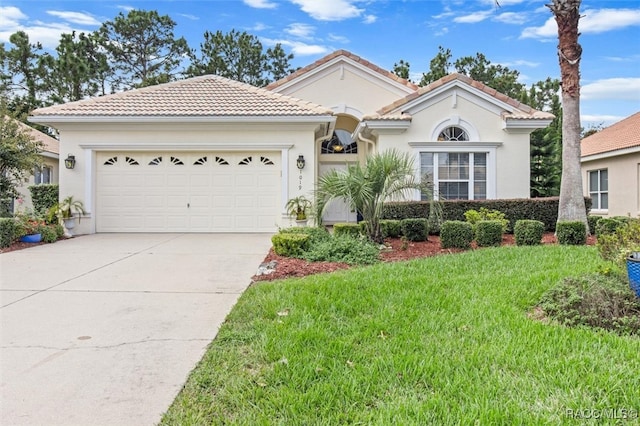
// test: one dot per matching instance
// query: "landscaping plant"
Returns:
(456, 234)
(528, 232)
(571, 233)
(489, 233)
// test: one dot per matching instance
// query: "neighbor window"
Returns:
(599, 189)
(42, 175)
(455, 175)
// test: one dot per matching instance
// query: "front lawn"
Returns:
(441, 340)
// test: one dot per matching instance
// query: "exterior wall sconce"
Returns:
(70, 161)
(300, 162)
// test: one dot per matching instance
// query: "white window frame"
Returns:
(37, 175)
(489, 149)
(598, 193)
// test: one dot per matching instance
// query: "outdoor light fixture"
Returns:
(70, 161)
(300, 162)
(337, 146)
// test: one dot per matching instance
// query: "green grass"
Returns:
(443, 340)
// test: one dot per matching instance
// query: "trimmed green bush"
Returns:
(571, 233)
(415, 229)
(344, 249)
(593, 220)
(7, 231)
(390, 228)
(616, 246)
(596, 301)
(608, 225)
(456, 234)
(49, 234)
(316, 234)
(528, 232)
(543, 209)
(44, 197)
(290, 244)
(475, 216)
(352, 229)
(489, 232)
(6, 207)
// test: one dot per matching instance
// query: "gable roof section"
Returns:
(207, 97)
(336, 56)
(621, 136)
(49, 145)
(515, 110)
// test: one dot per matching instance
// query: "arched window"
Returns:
(453, 133)
(340, 143)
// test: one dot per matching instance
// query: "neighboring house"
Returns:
(611, 168)
(209, 154)
(46, 173)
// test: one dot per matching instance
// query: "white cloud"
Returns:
(260, 4)
(520, 63)
(300, 30)
(338, 38)
(259, 26)
(74, 17)
(592, 22)
(627, 89)
(10, 18)
(125, 7)
(329, 10)
(370, 19)
(298, 48)
(46, 34)
(502, 2)
(589, 121)
(512, 18)
(473, 18)
(188, 16)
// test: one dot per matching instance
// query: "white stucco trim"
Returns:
(524, 124)
(172, 146)
(45, 119)
(385, 126)
(455, 120)
(610, 154)
(284, 157)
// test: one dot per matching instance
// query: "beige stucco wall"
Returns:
(624, 183)
(84, 140)
(348, 89)
(23, 189)
(485, 128)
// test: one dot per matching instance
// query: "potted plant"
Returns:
(67, 211)
(297, 208)
(28, 228)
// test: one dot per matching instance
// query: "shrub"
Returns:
(345, 249)
(415, 229)
(475, 216)
(352, 229)
(316, 234)
(597, 301)
(489, 233)
(7, 231)
(571, 233)
(608, 225)
(49, 233)
(592, 221)
(390, 228)
(616, 246)
(528, 232)
(456, 234)
(290, 244)
(44, 197)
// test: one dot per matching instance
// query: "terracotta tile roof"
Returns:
(204, 96)
(346, 54)
(621, 135)
(521, 111)
(49, 144)
(402, 116)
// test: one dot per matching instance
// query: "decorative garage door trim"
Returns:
(178, 191)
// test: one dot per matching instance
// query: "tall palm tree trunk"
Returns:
(567, 15)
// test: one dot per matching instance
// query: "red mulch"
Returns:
(19, 245)
(290, 267)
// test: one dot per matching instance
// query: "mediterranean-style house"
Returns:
(208, 154)
(610, 167)
(47, 172)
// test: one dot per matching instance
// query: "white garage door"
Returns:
(187, 192)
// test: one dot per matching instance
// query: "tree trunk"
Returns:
(567, 15)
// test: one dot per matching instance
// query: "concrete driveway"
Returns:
(104, 329)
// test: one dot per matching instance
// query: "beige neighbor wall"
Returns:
(346, 87)
(624, 183)
(85, 139)
(485, 128)
(27, 204)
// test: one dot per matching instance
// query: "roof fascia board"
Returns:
(610, 154)
(327, 68)
(46, 119)
(183, 147)
(527, 124)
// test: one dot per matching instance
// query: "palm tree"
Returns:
(388, 176)
(567, 16)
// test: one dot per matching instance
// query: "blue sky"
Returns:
(520, 34)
